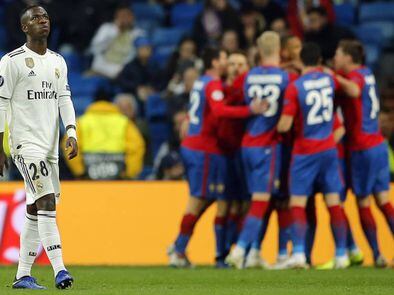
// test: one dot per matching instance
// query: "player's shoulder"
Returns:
(56, 55)
(16, 52)
(14, 55)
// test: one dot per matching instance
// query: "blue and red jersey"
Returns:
(265, 82)
(206, 110)
(310, 100)
(231, 131)
(361, 114)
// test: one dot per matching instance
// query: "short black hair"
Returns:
(26, 9)
(310, 54)
(353, 48)
(208, 55)
(318, 9)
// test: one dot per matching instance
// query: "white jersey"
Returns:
(33, 86)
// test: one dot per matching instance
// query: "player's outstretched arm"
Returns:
(349, 87)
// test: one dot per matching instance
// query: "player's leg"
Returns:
(177, 252)
(384, 204)
(29, 238)
(332, 184)
(197, 167)
(284, 221)
(311, 227)
(363, 179)
(382, 184)
(303, 173)
(220, 233)
(240, 201)
(253, 258)
(355, 255)
(261, 165)
(232, 224)
(29, 243)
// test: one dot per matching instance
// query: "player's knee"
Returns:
(382, 198)
(222, 208)
(332, 200)
(363, 202)
(31, 209)
(46, 203)
(261, 197)
(298, 201)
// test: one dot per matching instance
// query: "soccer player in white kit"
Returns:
(33, 91)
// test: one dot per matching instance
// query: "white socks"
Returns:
(29, 243)
(50, 239)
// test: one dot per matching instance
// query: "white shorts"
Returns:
(41, 178)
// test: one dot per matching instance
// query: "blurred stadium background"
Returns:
(99, 220)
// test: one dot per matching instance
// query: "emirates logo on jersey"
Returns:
(29, 62)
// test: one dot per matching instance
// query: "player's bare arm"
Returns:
(259, 106)
(285, 123)
(71, 145)
(350, 88)
(339, 134)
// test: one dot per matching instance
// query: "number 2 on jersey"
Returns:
(269, 92)
(34, 169)
(319, 99)
(195, 103)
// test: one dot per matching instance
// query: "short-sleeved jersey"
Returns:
(31, 86)
(264, 82)
(310, 100)
(361, 114)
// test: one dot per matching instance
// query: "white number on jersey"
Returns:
(195, 103)
(319, 99)
(271, 93)
(374, 103)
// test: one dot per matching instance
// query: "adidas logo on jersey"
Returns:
(31, 74)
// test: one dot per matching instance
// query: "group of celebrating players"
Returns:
(270, 138)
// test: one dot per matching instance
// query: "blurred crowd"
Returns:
(146, 54)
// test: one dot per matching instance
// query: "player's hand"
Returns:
(72, 145)
(3, 162)
(328, 71)
(259, 106)
(184, 129)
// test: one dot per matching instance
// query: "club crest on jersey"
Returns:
(57, 73)
(29, 62)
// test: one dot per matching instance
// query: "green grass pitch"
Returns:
(208, 281)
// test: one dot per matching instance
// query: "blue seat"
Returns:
(147, 11)
(344, 14)
(73, 61)
(184, 14)
(159, 133)
(156, 107)
(372, 54)
(162, 54)
(167, 36)
(371, 35)
(86, 86)
(386, 28)
(159, 128)
(378, 11)
(81, 103)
